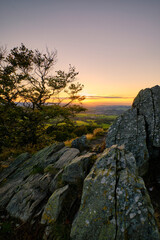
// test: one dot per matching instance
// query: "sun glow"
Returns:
(107, 100)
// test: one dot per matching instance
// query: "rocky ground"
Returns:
(97, 191)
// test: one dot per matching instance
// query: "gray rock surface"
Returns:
(54, 205)
(147, 103)
(129, 129)
(77, 170)
(66, 158)
(28, 197)
(11, 169)
(54, 184)
(139, 129)
(80, 143)
(26, 184)
(115, 204)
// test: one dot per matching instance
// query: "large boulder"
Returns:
(26, 200)
(76, 171)
(147, 104)
(13, 167)
(115, 203)
(54, 205)
(13, 178)
(66, 158)
(139, 129)
(25, 185)
(80, 143)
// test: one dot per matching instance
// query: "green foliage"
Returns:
(6, 227)
(92, 121)
(37, 169)
(80, 130)
(25, 78)
(61, 132)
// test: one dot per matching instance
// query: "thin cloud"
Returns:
(108, 97)
(96, 97)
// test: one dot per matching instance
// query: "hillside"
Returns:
(79, 192)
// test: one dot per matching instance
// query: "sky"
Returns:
(114, 44)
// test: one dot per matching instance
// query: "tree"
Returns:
(26, 85)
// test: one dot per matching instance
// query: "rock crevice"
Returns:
(115, 204)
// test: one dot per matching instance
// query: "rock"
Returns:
(66, 158)
(80, 143)
(29, 181)
(129, 129)
(77, 170)
(54, 205)
(21, 173)
(139, 130)
(48, 155)
(147, 103)
(24, 204)
(115, 203)
(11, 169)
(56, 182)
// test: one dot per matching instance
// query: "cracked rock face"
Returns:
(76, 171)
(54, 205)
(148, 104)
(115, 204)
(24, 185)
(139, 129)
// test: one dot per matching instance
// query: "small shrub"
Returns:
(68, 143)
(98, 132)
(80, 130)
(90, 136)
(90, 128)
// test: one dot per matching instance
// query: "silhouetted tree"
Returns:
(26, 84)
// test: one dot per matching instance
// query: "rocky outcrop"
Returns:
(13, 167)
(139, 130)
(54, 205)
(147, 104)
(70, 194)
(115, 203)
(80, 143)
(33, 191)
(25, 184)
(66, 158)
(77, 170)
(28, 197)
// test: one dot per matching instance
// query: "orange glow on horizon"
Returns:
(108, 101)
(94, 101)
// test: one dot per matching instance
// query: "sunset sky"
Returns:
(114, 44)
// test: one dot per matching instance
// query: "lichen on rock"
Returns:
(115, 202)
(139, 129)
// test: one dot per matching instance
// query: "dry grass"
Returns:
(69, 142)
(98, 132)
(89, 136)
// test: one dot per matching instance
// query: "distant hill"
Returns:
(108, 110)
